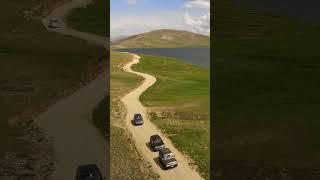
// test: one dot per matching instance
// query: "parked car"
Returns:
(137, 119)
(88, 172)
(54, 23)
(167, 158)
(156, 142)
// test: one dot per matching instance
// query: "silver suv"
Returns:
(167, 158)
(137, 119)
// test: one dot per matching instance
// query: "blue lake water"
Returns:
(199, 56)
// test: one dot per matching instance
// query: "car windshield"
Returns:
(89, 174)
(157, 142)
(138, 116)
(168, 156)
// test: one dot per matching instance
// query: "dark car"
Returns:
(88, 172)
(167, 158)
(137, 119)
(156, 142)
(54, 23)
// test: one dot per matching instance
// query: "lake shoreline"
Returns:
(199, 56)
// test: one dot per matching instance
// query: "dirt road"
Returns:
(141, 134)
(60, 13)
(67, 124)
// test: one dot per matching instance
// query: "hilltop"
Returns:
(163, 38)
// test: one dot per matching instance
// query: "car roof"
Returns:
(156, 136)
(165, 151)
(88, 167)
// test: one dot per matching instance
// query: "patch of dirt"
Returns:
(167, 37)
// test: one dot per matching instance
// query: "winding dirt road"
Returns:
(141, 134)
(60, 14)
(75, 140)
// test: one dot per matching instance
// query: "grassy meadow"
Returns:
(179, 105)
(36, 67)
(266, 101)
(92, 18)
(126, 162)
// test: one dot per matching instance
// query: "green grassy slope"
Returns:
(92, 19)
(164, 38)
(179, 102)
(125, 161)
(35, 67)
(99, 117)
(265, 92)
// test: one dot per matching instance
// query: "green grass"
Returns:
(164, 38)
(100, 118)
(120, 81)
(126, 162)
(35, 67)
(266, 96)
(185, 90)
(92, 19)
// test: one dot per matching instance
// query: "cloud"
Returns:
(199, 24)
(202, 4)
(131, 2)
(192, 16)
(198, 20)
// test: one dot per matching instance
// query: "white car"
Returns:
(54, 23)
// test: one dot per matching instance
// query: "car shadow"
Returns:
(149, 146)
(132, 122)
(158, 162)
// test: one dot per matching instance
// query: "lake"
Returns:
(199, 56)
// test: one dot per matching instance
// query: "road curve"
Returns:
(141, 134)
(60, 14)
(67, 123)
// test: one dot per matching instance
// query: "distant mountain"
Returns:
(118, 38)
(163, 38)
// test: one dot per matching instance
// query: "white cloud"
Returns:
(132, 2)
(204, 4)
(194, 16)
(199, 23)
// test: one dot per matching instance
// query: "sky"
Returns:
(129, 17)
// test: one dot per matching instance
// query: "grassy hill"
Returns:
(92, 18)
(37, 67)
(178, 103)
(163, 38)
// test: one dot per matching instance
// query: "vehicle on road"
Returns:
(137, 119)
(167, 158)
(54, 23)
(88, 172)
(156, 142)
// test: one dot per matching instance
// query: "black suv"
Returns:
(167, 158)
(156, 142)
(88, 172)
(137, 119)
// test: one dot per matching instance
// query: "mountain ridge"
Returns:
(163, 38)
